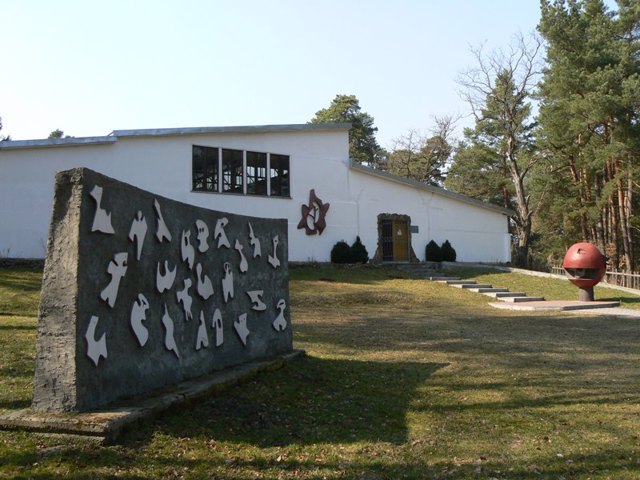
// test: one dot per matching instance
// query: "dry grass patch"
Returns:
(404, 379)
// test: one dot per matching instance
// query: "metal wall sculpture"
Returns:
(314, 215)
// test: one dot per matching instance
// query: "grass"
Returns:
(19, 291)
(404, 379)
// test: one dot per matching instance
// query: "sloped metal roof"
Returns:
(159, 132)
(429, 188)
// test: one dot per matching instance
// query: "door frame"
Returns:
(384, 218)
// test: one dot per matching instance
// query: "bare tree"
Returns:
(498, 90)
(423, 157)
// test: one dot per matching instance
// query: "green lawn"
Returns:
(404, 378)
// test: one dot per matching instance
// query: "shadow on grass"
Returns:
(611, 462)
(624, 297)
(26, 328)
(310, 401)
(21, 280)
(14, 404)
(352, 274)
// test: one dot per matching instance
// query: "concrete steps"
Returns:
(504, 294)
(520, 300)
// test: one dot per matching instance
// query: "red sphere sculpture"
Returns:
(585, 266)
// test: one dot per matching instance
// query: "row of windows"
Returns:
(238, 171)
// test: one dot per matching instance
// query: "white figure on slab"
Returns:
(256, 300)
(169, 340)
(204, 286)
(216, 324)
(280, 323)
(187, 252)
(220, 234)
(163, 232)
(95, 348)
(184, 297)
(202, 339)
(241, 328)
(138, 314)
(101, 219)
(255, 243)
(244, 265)
(273, 259)
(117, 269)
(137, 232)
(227, 282)
(165, 281)
(203, 236)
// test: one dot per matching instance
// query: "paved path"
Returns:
(616, 311)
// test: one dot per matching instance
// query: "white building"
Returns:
(279, 171)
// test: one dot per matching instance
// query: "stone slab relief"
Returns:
(117, 269)
(280, 323)
(101, 219)
(136, 299)
(95, 348)
(138, 314)
(137, 232)
(274, 261)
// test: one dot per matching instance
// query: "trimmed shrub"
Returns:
(433, 252)
(448, 252)
(359, 252)
(341, 252)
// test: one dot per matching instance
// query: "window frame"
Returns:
(232, 172)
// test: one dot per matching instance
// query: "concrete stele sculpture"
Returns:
(109, 328)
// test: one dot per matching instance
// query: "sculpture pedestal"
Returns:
(585, 294)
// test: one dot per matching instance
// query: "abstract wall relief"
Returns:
(314, 215)
(125, 328)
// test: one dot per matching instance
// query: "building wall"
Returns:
(476, 233)
(318, 160)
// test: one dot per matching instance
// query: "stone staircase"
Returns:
(501, 294)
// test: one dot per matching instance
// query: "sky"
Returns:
(90, 67)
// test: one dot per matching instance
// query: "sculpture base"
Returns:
(585, 294)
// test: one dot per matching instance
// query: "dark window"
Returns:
(232, 171)
(256, 173)
(279, 175)
(205, 168)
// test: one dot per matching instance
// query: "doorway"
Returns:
(394, 241)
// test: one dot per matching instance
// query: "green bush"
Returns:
(433, 252)
(359, 252)
(341, 252)
(448, 252)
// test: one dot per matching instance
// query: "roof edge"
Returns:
(429, 188)
(56, 142)
(155, 132)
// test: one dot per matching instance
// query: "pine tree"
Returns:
(589, 121)
(363, 146)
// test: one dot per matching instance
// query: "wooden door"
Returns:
(400, 241)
